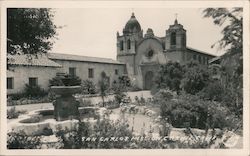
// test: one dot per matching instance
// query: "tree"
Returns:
(232, 61)
(214, 91)
(232, 32)
(29, 30)
(103, 86)
(195, 78)
(170, 76)
(119, 92)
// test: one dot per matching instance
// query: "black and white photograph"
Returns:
(123, 76)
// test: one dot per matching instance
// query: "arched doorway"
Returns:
(148, 80)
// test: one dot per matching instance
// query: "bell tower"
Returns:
(127, 42)
(175, 37)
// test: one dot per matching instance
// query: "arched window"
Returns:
(129, 44)
(173, 38)
(121, 45)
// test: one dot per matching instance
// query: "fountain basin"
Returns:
(40, 122)
(65, 90)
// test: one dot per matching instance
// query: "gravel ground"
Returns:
(31, 107)
(137, 121)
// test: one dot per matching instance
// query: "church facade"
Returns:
(138, 56)
(144, 54)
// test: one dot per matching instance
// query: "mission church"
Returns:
(139, 56)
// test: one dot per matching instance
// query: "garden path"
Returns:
(31, 107)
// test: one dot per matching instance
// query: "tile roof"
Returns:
(32, 60)
(69, 57)
(199, 51)
(214, 59)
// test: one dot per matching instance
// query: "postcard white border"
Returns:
(127, 4)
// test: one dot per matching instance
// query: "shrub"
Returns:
(73, 139)
(56, 81)
(65, 80)
(119, 93)
(52, 96)
(16, 96)
(204, 140)
(124, 81)
(103, 128)
(88, 87)
(191, 111)
(119, 97)
(34, 91)
(142, 101)
(47, 131)
(213, 91)
(108, 128)
(112, 104)
(22, 141)
(12, 113)
(163, 95)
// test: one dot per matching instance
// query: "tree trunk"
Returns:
(103, 101)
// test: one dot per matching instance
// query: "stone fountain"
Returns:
(66, 113)
(66, 105)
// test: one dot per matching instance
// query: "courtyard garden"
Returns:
(190, 111)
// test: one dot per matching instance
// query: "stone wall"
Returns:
(21, 75)
(175, 56)
(82, 69)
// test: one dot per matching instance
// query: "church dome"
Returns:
(132, 25)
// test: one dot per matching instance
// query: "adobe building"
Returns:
(138, 56)
(38, 70)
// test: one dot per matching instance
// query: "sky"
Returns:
(92, 31)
